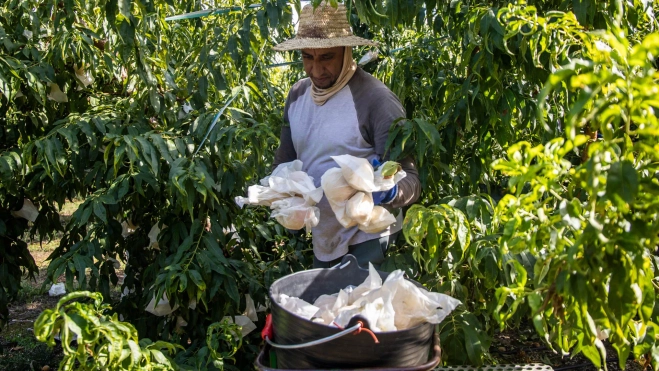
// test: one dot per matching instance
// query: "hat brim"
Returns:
(318, 43)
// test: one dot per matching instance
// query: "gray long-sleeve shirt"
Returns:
(355, 121)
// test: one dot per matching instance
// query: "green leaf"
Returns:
(211, 244)
(581, 8)
(473, 342)
(182, 282)
(80, 265)
(196, 278)
(520, 273)
(155, 100)
(232, 289)
(591, 352)
(273, 15)
(647, 342)
(99, 211)
(622, 183)
(203, 87)
(452, 336)
(430, 132)
(125, 8)
(622, 299)
(261, 20)
(264, 231)
(85, 211)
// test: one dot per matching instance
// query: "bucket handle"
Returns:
(356, 329)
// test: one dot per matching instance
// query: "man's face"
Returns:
(323, 66)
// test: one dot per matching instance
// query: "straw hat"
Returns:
(326, 27)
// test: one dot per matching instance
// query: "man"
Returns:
(340, 109)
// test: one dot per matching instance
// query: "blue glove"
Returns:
(383, 197)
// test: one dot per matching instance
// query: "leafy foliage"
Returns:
(533, 124)
(101, 341)
(499, 80)
(591, 226)
(106, 101)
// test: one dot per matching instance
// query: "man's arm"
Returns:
(286, 151)
(382, 115)
(409, 188)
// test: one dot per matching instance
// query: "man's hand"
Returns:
(383, 197)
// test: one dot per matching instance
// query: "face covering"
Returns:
(320, 96)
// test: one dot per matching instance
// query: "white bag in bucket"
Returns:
(297, 306)
(393, 305)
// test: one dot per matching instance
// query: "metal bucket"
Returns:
(397, 350)
(262, 361)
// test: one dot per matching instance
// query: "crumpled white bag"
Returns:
(127, 227)
(260, 195)
(369, 57)
(290, 193)
(297, 306)
(414, 305)
(384, 183)
(163, 308)
(250, 308)
(372, 282)
(359, 173)
(283, 169)
(288, 178)
(83, 76)
(57, 289)
(326, 312)
(393, 305)
(295, 213)
(360, 207)
(368, 301)
(153, 236)
(349, 192)
(57, 94)
(380, 219)
(246, 324)
(338, 191)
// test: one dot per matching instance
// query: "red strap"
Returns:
(360, 329)
(268, 331)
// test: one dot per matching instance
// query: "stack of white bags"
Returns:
(291, 195)
(397, 304)
(349, 190)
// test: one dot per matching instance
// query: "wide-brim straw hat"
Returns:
(323, 27)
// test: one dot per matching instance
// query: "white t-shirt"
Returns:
(354, 121)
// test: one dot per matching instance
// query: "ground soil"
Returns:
(522, 346)
(20, 350)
